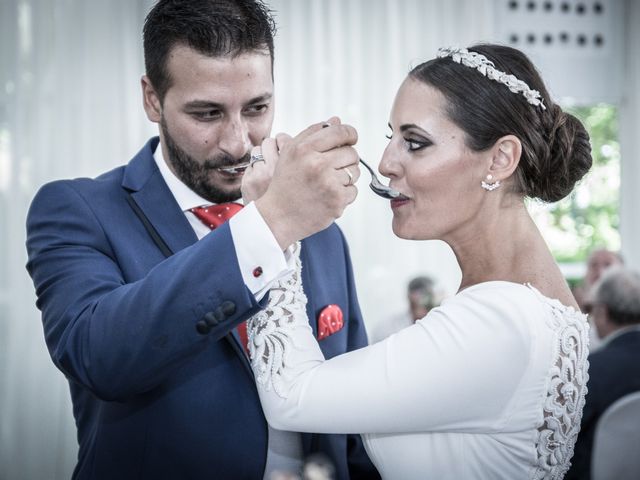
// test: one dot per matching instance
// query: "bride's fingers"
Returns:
(270, 153)
(281, 140)
(310, 130)
(331, 138)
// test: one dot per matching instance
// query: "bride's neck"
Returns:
(503, 247)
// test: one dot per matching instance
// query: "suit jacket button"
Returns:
(202, 327)
(212, 318)
(228, 308)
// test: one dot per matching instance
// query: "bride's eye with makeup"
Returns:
(414, 144)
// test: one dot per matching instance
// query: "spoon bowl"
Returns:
(378, 187)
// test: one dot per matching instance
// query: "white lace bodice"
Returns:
(489, 385)
(565, 392)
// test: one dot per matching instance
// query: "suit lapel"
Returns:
(157, 206)
(234, 340)
(155, 201)
(306, 285)
(164, 214)
(309, 440)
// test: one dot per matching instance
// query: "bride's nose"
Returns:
(389, 166)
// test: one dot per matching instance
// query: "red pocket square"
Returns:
(330, 321)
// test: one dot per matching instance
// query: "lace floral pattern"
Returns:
(269, 331)
(272, 348)
(565, 393)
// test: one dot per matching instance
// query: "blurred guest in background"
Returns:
(598, 262)
(422, 295)
(614, 370)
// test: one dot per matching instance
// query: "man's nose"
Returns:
(234, 138)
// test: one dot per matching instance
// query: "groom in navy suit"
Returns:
(143, 305)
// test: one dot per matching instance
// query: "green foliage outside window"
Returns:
(588, 218)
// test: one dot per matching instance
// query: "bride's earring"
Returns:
(490, 186)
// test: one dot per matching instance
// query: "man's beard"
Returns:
(195, 175)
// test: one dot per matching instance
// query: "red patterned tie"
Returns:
(213, 216)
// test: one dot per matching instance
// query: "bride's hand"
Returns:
(257, 176)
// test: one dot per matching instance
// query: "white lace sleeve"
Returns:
(302, 392)
(270, 330)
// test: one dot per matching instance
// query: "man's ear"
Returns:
(505, 156)
(151, 101)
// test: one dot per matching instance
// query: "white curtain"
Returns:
(348, 58)
(70, 106)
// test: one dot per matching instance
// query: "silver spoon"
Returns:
(241, 167)
(378, 187)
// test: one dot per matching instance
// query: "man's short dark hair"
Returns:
(420, 283)
(216, 28)
(619, 291)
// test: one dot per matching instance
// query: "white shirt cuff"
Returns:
(260, 258)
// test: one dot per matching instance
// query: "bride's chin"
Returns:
(401, 231)
(405, 232)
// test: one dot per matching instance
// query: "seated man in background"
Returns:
(599, 260)
(614, 370)
(422, 296)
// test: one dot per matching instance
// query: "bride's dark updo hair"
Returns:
(556, 152)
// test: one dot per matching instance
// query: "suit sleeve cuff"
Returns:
(260, 258)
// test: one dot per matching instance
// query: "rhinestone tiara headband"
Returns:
(488, 69)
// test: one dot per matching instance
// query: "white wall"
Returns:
(70, 106)
(630, 138)
(348, 58)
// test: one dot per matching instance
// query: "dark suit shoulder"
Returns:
(618, 349)
(104, 188)
(141, 166)
(86, 184)
(330, 236)
(628, 340)
(614, 370)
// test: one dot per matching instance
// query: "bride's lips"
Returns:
(399, 201)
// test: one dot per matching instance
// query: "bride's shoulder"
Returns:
(495, 302)
(488, 304)
(496, 293)
(520, 302)
(495, 315)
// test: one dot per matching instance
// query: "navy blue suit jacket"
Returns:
(122, 281)
(614, 371)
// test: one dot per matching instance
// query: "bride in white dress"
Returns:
(491, 384)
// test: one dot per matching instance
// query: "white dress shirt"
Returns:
(254, 243)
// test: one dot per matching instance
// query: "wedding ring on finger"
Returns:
(256, 157)
(348, 172)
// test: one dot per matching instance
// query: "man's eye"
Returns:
(207, 115)
(257, 109)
